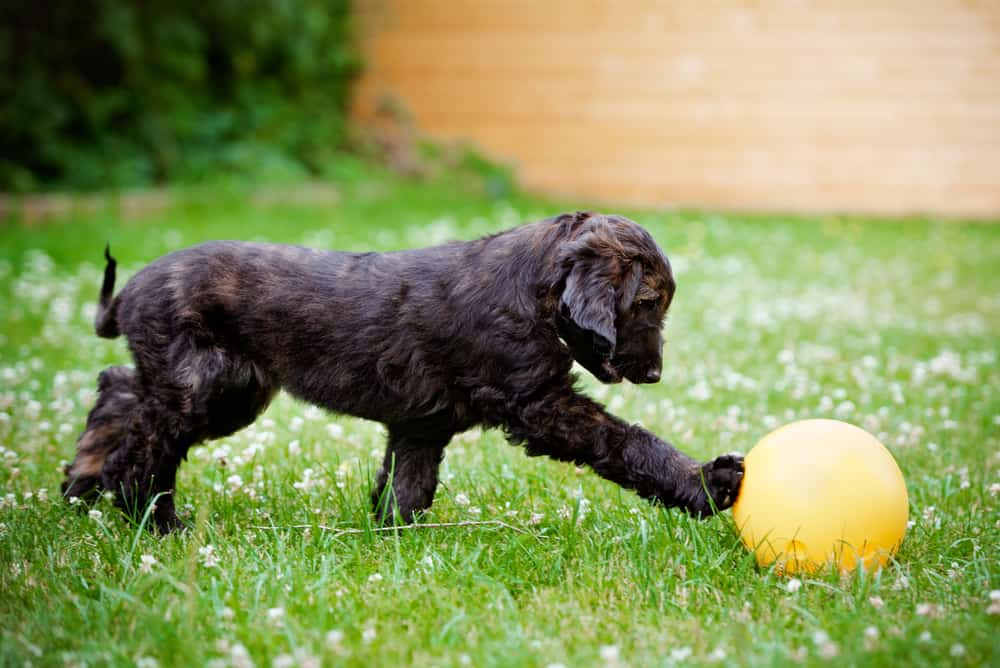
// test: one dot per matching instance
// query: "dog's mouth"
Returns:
(634, 371)
(609, 373)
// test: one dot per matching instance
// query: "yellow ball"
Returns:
(820, 492)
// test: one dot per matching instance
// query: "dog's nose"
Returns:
(652, 375)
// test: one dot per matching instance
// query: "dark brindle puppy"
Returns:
(429, 342)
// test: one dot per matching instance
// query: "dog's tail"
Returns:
(106, 321)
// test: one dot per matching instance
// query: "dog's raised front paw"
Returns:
(721, 479)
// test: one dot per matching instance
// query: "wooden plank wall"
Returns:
(887, 106)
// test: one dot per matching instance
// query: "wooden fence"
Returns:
(887, 106)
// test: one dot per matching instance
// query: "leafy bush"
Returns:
(112, 93)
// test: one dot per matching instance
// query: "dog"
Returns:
(429, 342)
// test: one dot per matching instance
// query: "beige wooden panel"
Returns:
(886, 106)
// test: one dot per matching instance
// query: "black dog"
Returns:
(429, 342)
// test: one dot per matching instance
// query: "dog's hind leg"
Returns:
(105, 432)
(412, 458)
(135, 471)
(191, 393)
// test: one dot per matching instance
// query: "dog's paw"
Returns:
(168, 525)
(719, 484)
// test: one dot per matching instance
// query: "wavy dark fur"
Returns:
(429, 342)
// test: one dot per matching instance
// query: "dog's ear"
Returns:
(630, 286)
(590, 299)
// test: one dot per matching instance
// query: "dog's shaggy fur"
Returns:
(429, 342)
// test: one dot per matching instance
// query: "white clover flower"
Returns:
(609, 653)
(930, 610)
(947, 363)
(95, 515)
(793, 585)
(220, 453)
(680, 654)
(335, 430)
(461, 499)
(146, 563)
(536, 518)
(283, 661)
(32, 409)
(75, 501)
(375, 577)
(208, 557)
(309, 480)
(871, 634)
(368, 635)
(252, 450)
(717, 655)
(994, 606)
(924, 637)
(294, 449)
(827, 648)
(701, 391)
(276, 616)
(235, 482)
(334, 638)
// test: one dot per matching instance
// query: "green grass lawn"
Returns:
(889, 325)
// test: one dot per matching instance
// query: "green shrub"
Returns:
(113, 93)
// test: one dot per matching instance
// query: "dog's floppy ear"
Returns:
(589, 298)
(630, 286)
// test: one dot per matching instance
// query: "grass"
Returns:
(890, 325)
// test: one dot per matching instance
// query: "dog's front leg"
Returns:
(412, 459)
(571, 427)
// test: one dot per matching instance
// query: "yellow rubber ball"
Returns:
(820, 493)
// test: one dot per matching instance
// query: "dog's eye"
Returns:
(646, 302)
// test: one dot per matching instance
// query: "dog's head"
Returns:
(617, 287)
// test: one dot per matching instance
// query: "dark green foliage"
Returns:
(111, 93)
